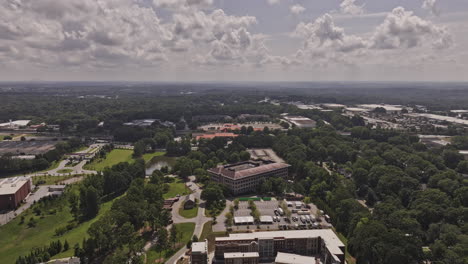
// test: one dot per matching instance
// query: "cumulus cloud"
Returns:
(402, 29)
(113, 33)
(273, 2)
(349, 7)
(183, 4)
(296, 9)
(431, 6)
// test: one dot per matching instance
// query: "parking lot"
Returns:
(298, 217)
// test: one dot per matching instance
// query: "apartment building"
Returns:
(321, 243)
(244, 177)
(199, 253)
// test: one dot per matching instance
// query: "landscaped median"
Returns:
(188, 213)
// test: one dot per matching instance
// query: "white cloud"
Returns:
(349, 7)
(402, 29)
(296, 9)
(431, 6)
(273, 2)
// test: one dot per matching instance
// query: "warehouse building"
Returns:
(13, 191)
(244, 177)
(322, 244)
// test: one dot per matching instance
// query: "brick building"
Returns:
(13, 191)
(320, 243)
(245, 176)
(199, 253)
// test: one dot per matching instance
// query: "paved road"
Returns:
(199, 221)
(36, 196)
(76, 170)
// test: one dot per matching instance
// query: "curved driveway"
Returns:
(199, 220)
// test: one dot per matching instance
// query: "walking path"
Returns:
(33, 197)
(199, 220)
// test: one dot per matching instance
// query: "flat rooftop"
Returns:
(10, 186)
(294, 259)
(332, 242)
(246, 169)
(199, 247)
(241, 255)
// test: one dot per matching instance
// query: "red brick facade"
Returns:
(12, 201)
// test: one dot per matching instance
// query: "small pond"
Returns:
(158, 162)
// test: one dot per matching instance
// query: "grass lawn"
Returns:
(185, 234)
(112, 158)
(191, 213)
(52, 166)
(17, 240)
(350, 259)
(176, 187)
(65, 171)
(149, 156)
(50, 180)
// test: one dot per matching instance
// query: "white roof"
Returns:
(441, 118)
(332, 242)
(199, 247)
(464, 152)
(293, 259)
(243, 219)
(266, 219)
(356, 109)
(12, 185)
(331, 105)
(241, 255)
(385, 106)
(17, 123)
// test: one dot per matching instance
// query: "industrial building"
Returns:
(322, 244)
(245, 176)
(13, 191)
(301, 122)
(15, 124)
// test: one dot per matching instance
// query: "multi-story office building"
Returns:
(245, 176)
(199, 253)
(241, 258)
(321, 243)
(13, 191)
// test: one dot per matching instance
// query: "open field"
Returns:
(191, 213)
(149, 156)
(18, 239)
(176, 187)
(185, 233)
(50, 180)
(114, 157)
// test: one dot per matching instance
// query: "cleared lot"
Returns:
(26, 147)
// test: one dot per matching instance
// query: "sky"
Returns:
(233, 40)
